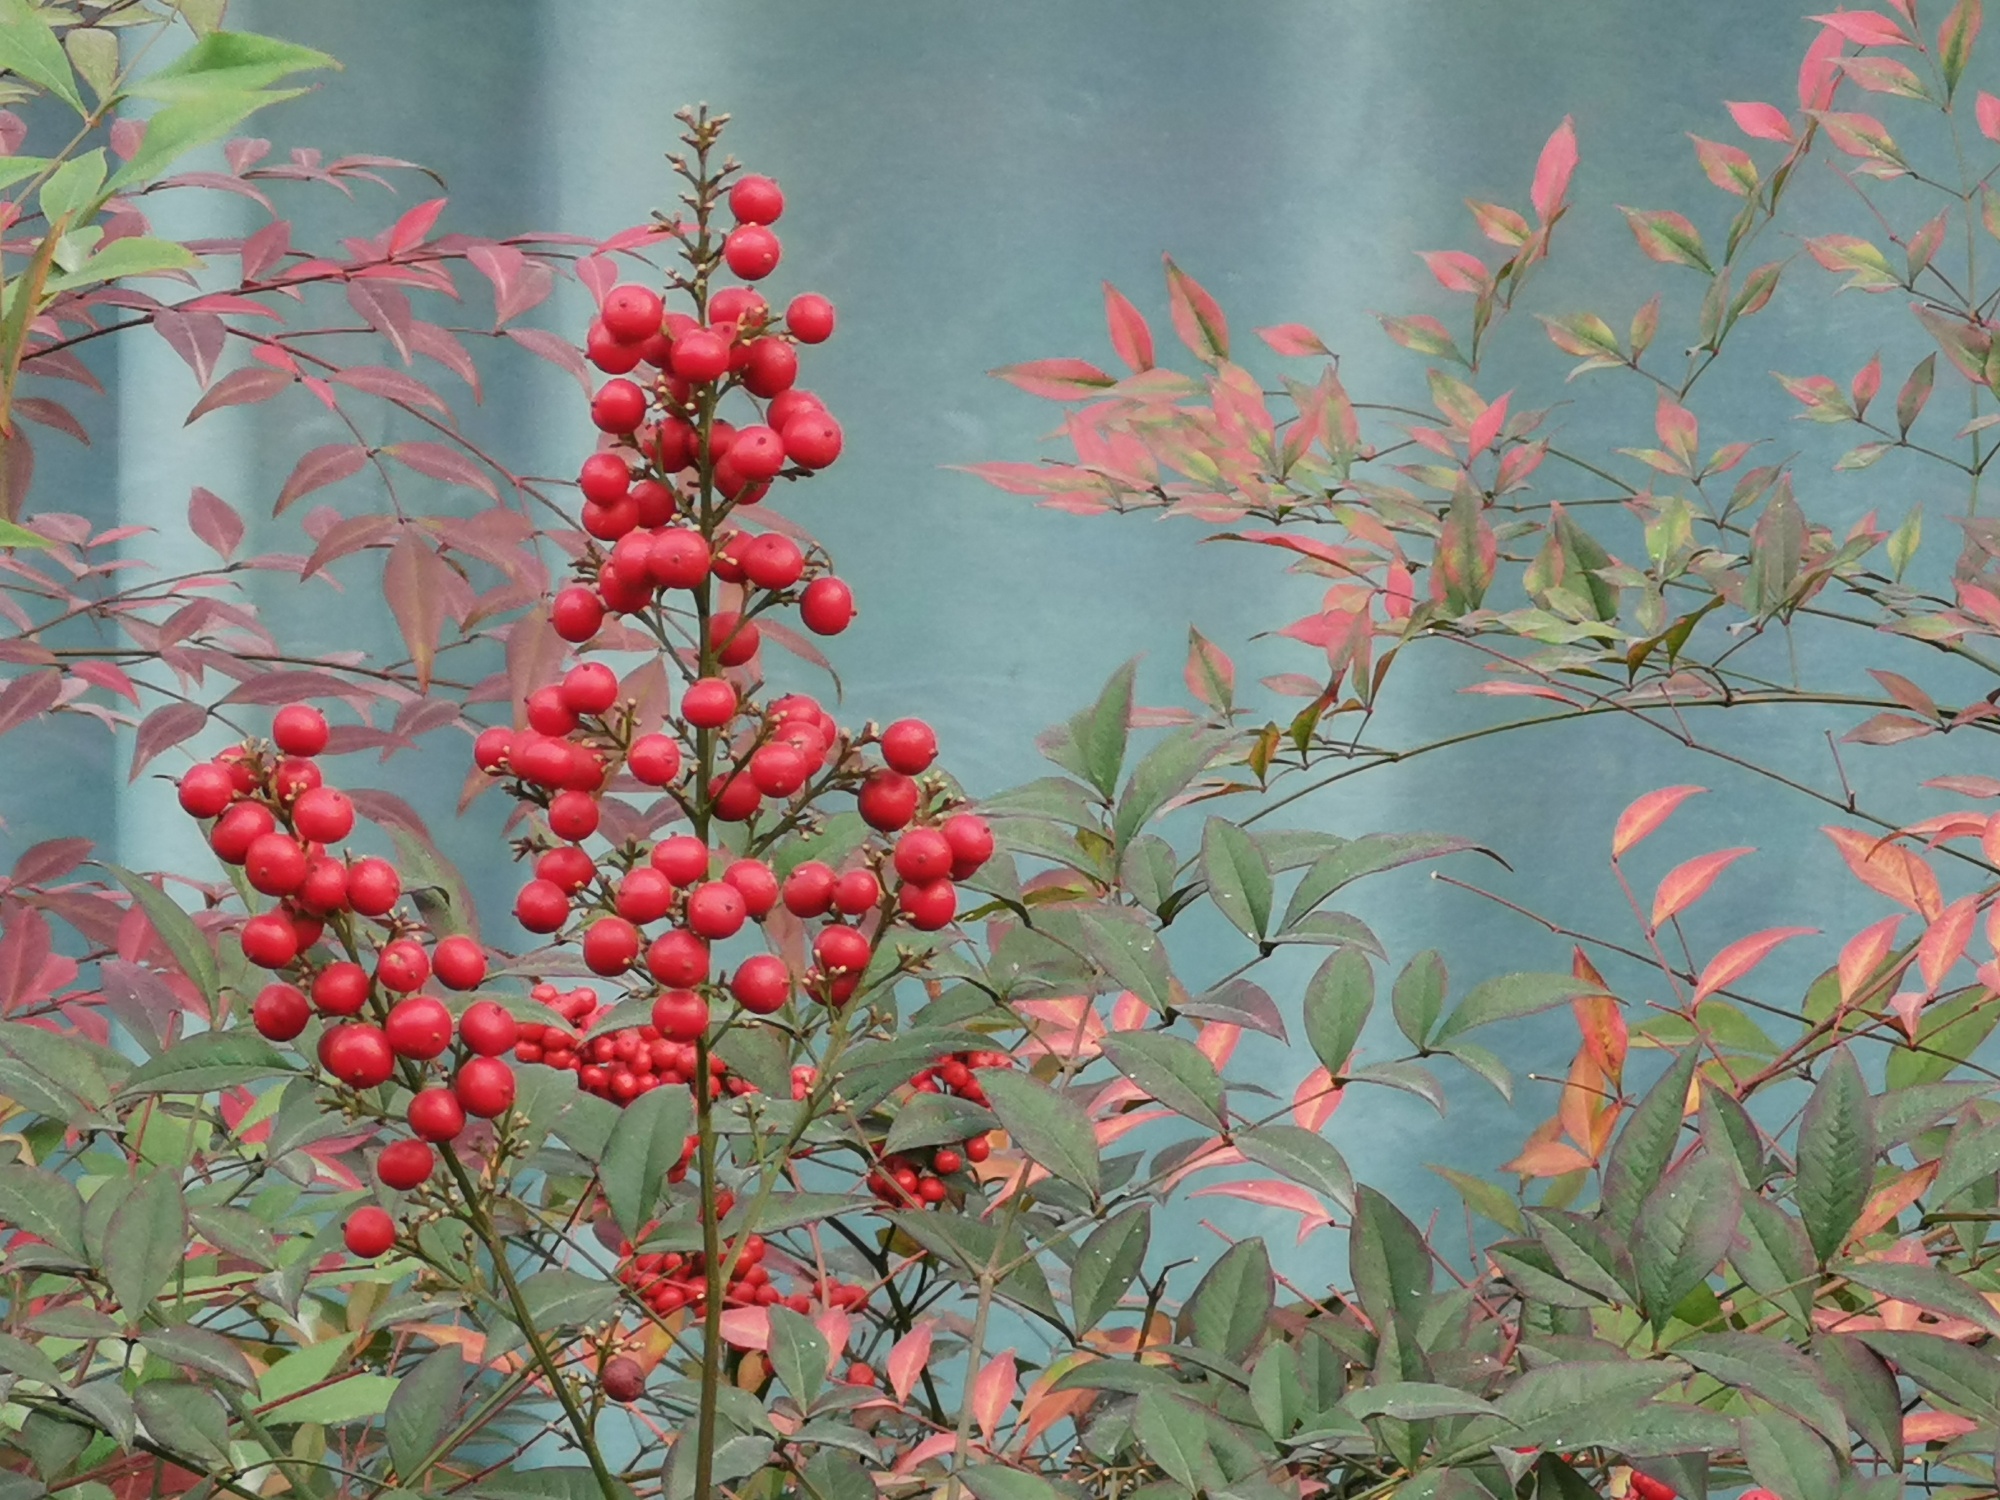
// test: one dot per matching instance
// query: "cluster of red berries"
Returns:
(621, 1064)
(909, 1180)
(274, 816)
(668, 1281)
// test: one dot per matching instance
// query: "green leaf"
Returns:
(1415, 1401)
(146, 1242)
(1161, 775)
(306, 1366)
(230, 61)
(196, 119)
(1867, 1392)
(1338, 1000)
(1232, 1305)
(1643, 1429)
(1275, 1391)
(12, 535)
(1302, 1155)
(1901, 1115)
(1510, 997)
(1092, 744)
(1418, 997)
(1368, 855)
(1683, 1231)
(71, 192)
(19, 1357)
(798, 1353)
(646, 1143)
(565, 1299)
(176, 929)
(1772, 1369)
(1546, 1394)
(1964, 1377)
(1173, 1436)
(1107, 1263)
(1387, 1258)
(1130, 953)
(422, 1402)
(1051, 1128)
(1239, 877)
(133, 256)
(206, 1062)
(1487, 1199)
(28, 46)
(185, 1418)
(1836, 1155)
(1784, 1456)
(201, 1349)
(1971, 1155)
(1926, 1286)
(55, 1074)
(1641, 1152)
(1774, 1257)
(1171, 1070)
(1955, 39)
(354, 1399)
(999, 1482)
(1583, 1254)
(936, 1120)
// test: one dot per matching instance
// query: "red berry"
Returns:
(237, 829)
(604, 479)
(275, 863)
(841, 949)
(773, 562)
(680, 1015)
(402, 966)
(610, 354)
(280, 1012)
(971, 841)
(299, 729)
(735, 799)
(700, 355)
(735, 308)
(757, 454)
(756, 200)
(631, 312)
(733, 639)
(683, 859)
(618, 407)
(566, 867)
(573, 815)
(357, 1054)
(808, 889)
(946, 1162)
(459, 962)
(654, 759)
(610, 946)
(623, 1379)
(373, 886)
(887, 800)
(812, 440)
(405, 1164)
(709, 703)
(590, 688)
(716, 911)
(1648, 1488)
(653, 502)
(491, 749)
(678, 958)
(909, 746)
(487, 1027)
(206, 790)
(855, 892)
(777, 770)
(761, 984)
(485, 1086)
(678, 558)
(418, 1027)
(610, 522)
(755, 883)
(827, 606)
(929, 904)
(368, 1232)
(978, 1148)
(293, 777)
(752, 251)
(923, 854)
(770, 367)
(436, 1114)
(340, 989)
(577, 614)
(810, 318)
(325, 887)
(644, 895)
(548, 714)
(624, 593)
(269, 940)
(541, 906)
(323, 815)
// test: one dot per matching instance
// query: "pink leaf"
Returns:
(1197, 317)
(1647, 814)
(1057, 379)
(417, 600)
(393, 385)
(1818, 75)
(908, 1358)
(164, 728)
(1273, 1194)
(197, 337)
(1131, 339)
(1293, 339)
(556, 350)
(414, 227)
(1865, 28)
(384, 309)
(319, 468)
(1679, 432)
(747, 1327)
(265, 249)
(1315, 1100)
(1455, 270)
(992, 1390)
(215, 521)
(598, 275)
(1687, 883)
(1987, 110)
(1890, 869)
(437, 461)
(1943, 943)
(1763, 122)
(518, 282)
(1210, 675)
(49, 860)
(242, 387)
(1487, 426)
(102, 674)
(29, 697)
(1741, 956)
(1552, 172)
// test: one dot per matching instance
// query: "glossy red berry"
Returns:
(488, 1028)
(238, 828)
(946, 1162)
(275, 863)
(808, 890)
(778, 770)
(206, 790)
(738, 307)
(269, 940)
(405, 1164)
(645, 895)
(827, 606)
(751, 251)
(485, 1086)
(300, 729)
(1648, 1488)
(608, 523)
(679, 958)
(773, 562)
(566, 867)
(761, 984)
(733, 639)
(280, 1012)
(340, 989)
(436, 1114)
(923, 854)
(573, 815)
(716, 911)
(735, 799)
(323, 815)
(971, 840)
(577, 614)
(757, 454)
(631, 312)
(770, 368)
(491, 749)
(810, 318)
(618, 407)
(368, 1232)
(357, 1053)
(610, 946)
(887, 800)
(325, 887)
(755, 883)
(604, 479)
(541, 906)
(589, 688)
(459, 962)
(373, 886)
(909, 746)
(756, 200)
(653, 502)
(680, 1015)
(402, 966)
(610, 354)
(678, 558)
(841, 949)
(700, 355)
(929, 904)
(654, 759)
(709, 703)
(812, 440)
(856, 892)
(683, 859)
(418, 1027)
(548, 714)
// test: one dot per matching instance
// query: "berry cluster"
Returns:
(669, 1281)
(350, 958)
(908, 1180)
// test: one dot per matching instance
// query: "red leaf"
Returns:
(907, 1360)
(1943, 944)
(52, 414)
(1057, 379)
(102, 674)
(242, 387)
(556, 350)
(410, 584)
(265, 249)
(1743, 955)
(1552, 172)
(1315, 1100)
(1687, 883)
(411, 230)
(384, 309)
(437, 461)
(518, 282)
(1763, 122)
(1888, 729)
(1131, 339)
(1818, 75)
(1293, 339)
(1986, 109)
(1455, 270)
(164, 728)
(992, 1391)
(319, 468)
(1890, 869)
(49, 860)
(1646, 814)
(197, 337)
(1865, 28)
(28, 698)
(1197, 318)
(393, 385)
(1269, 1193)
(1863, 955)
(348, 536)
(215, 521)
